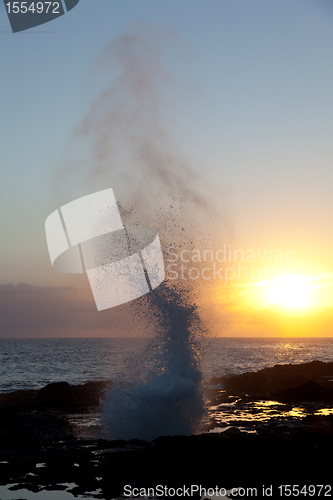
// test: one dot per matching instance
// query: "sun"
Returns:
(290, 294)
(289, 291)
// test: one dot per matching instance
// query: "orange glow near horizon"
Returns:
(289, 291)
(294, 305)
(290, 294)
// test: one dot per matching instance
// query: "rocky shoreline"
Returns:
(41, 448)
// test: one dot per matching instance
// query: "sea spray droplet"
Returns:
(167, 398)
(127, 138)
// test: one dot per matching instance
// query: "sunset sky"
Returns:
(238, 95)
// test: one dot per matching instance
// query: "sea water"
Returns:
(33, 363)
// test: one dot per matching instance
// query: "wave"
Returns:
(167, 397)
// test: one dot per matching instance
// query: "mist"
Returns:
(127, 140)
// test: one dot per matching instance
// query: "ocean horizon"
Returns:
(78, 360)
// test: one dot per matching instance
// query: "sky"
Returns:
(241, 91)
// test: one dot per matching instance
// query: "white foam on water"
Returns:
(166, 398)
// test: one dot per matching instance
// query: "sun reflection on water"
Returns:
(241, 413)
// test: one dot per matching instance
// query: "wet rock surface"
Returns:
(58, 396)
(41, 449)
(30, 417)
(275, 380)
(284, 395)
(103, 468)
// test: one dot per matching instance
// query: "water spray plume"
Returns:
(131, 150)
(167, 398)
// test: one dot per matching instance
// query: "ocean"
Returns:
(33, 363)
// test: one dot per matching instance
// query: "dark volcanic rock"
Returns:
(30, 417)
(40, 450)
(226, 460)
(278, 378)
(68, 397)
(22, 428)
(310, 391)
(59, 396)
